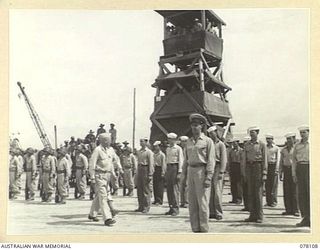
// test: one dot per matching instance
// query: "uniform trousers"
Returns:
(62, 185)
(158, 185)
(255, 189)
(128, 178)
(30, 184)
(290, 194)
(303, 180)
(13, 187)
(103, 195)
(199, 198)
(144, 188)
(184, 191)
(272, 185)
(47, 184)
(216, 192)
(172, 186)
(235, 179)
(81, 181)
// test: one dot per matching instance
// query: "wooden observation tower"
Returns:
(190, 77)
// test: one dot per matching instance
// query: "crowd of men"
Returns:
(191, 169)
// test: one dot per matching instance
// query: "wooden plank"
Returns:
(203, 19)
(179, 58)
(201, 75)
(164, 67)
(159, 126)
(205, 62)
(164, 103)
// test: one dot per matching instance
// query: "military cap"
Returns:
(144, 139)
(211, 129)
(246, 138)
(184, 138)
(63, 151)
(30, 150)
(254, 128)
(290, 135)
(236, 139)
(197, 118)
(303, 128)
(91, 132)
(172, 136)
(101, 125)
(125, 143)
(156, 143)
(111, 124)
(269, 136)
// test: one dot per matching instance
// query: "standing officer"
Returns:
(273, 158)
(160, 166)
(15, 169)
(101, 168)
(256, 165)
(200, 162)
(300, 174)
(244, 181)
(289, 186)
(101, 129)
(144, 178)
(113, 133)
(183, 182)
(174, 158)
(217, 181)
(31, 174)
(63, 175)
(21, 160)
(81, 162)
(48, 175)
(235, 157)
(129, 165)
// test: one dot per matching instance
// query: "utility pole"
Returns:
(134, 118)
(55, 137)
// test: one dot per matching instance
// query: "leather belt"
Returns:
(99, 171)
(46, 170)
(303, 162)
(80, 168)
(61, 171)
(198, 165)
(252, 162)
(140, 165)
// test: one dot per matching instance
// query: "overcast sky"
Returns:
(79, 69)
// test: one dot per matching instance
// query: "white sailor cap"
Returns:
(211, 129)
(144, 139)
(156, 143)
(269, 136)
(172, 136)
(235, 139)
(291, 134)
(184, 138)
(254, 128)
(303, 128)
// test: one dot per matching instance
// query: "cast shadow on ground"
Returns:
(75, 223)
(72, 216)
(263, 225)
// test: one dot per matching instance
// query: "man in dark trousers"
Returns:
(101, 129)
(234, 160)
(290, 195)
(160, 166)
(255, 162)
(301, 174)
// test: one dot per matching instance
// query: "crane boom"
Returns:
(35, 119)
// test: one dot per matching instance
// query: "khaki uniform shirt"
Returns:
(82, 161)
(175, 155)
(145, 157)
(273, 155)
(63, 165)
(221, 154)
(255, 151)
(300, 155)
(286, 155)
(102, 159)
(160, 161)
(31, 164)
(200, 151)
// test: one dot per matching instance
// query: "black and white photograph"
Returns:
(186, 121)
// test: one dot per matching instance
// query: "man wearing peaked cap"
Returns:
(198, 168)
(129, 165)
(113, 133)
(289, 186)
(301, 174)
(159, 173)
(197, 118)
(273, 159)
(255, 164)
(63, 175)
(174, 157)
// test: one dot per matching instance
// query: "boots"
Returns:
(113, 211)
(130, 193)
(63, 200)
(31, 197)
(49, 199)
(10, 195)
(124, 191)
(26, 194)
